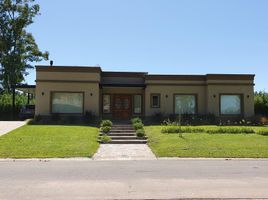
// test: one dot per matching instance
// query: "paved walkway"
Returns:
(7, 126)
(124, 152)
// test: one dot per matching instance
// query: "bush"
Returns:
(138, 125)
(262, 132)
(231, 130)
(261, 103)
(106, 129)
(140, 133)
(105, 139)
(106, 123)
(136, 120)
(179, 129)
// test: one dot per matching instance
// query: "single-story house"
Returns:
(73, 90)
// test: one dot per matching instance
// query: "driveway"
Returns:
(7, 126)
(155, 179)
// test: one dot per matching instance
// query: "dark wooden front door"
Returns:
(122, 105)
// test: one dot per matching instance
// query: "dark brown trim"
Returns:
(151, 100)
(66, 81)
(190, 94)
(176, 77)
(201, 77)
(230, 76)
(123, 85)
(124, 74)
(110, 103)
(241, 105)
(198, 84)
(51, 93)
(41, 68)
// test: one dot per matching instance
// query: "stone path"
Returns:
(124, 152)
(7, 126)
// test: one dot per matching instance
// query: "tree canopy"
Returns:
(18, 49)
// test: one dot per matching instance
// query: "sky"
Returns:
(156, 36)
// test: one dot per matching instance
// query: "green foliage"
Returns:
(138, 125)
(105, 139)
(106, 123)
(105, 129)
(6, 105)
(140, 132)
(220, 130)
(18, 49)
(261, 103)
(136, 120)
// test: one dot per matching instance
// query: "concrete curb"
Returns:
(134, 159)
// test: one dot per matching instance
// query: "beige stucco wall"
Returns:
(167, 104)
(91, 103)
(247, 91)
(206, 103)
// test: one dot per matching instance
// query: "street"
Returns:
(156, 179)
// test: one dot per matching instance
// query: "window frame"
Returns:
(83, 103)
(159, 100)
(110, 97)
(133, 104)
(189, 94)
(241, 104)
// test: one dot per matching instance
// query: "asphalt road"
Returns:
(158, 179)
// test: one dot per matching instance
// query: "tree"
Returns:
(18, 49)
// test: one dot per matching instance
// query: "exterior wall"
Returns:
(167, 103)
(43, 102)
(214, 92)
(61, 79)
(88, 80)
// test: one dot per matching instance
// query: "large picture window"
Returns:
(106, 103)
(230, 105)
(185, 104)
(137, 104)
(67, 102)
(155, 100)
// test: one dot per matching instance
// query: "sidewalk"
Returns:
(7, 126)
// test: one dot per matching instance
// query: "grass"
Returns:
(46, 141)
(208, 145)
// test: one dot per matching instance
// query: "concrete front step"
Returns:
(119, 134)
(139, 141)
(125, 138)
(122, 131)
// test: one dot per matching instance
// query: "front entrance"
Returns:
(122, 106)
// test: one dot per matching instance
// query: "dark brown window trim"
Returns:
(110, 104)
(83, 106)
(241, 105)
(159, 100)
(191, 94)
(133, 109)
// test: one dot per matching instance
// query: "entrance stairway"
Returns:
(124, 134)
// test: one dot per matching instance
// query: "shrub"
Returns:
(231, 130)
(106, 129)
(261, 103)
(262, 132)
(106, 123)
(55, 117)
(105, 139)
(136, 120)
(140, 133)
(138, 125)
(90, 117)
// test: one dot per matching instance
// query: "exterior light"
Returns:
(42, 93)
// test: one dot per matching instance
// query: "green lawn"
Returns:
(207, 145)
(44, 141)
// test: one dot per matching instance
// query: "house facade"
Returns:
(123, 95)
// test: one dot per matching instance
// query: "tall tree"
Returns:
(18, 49)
